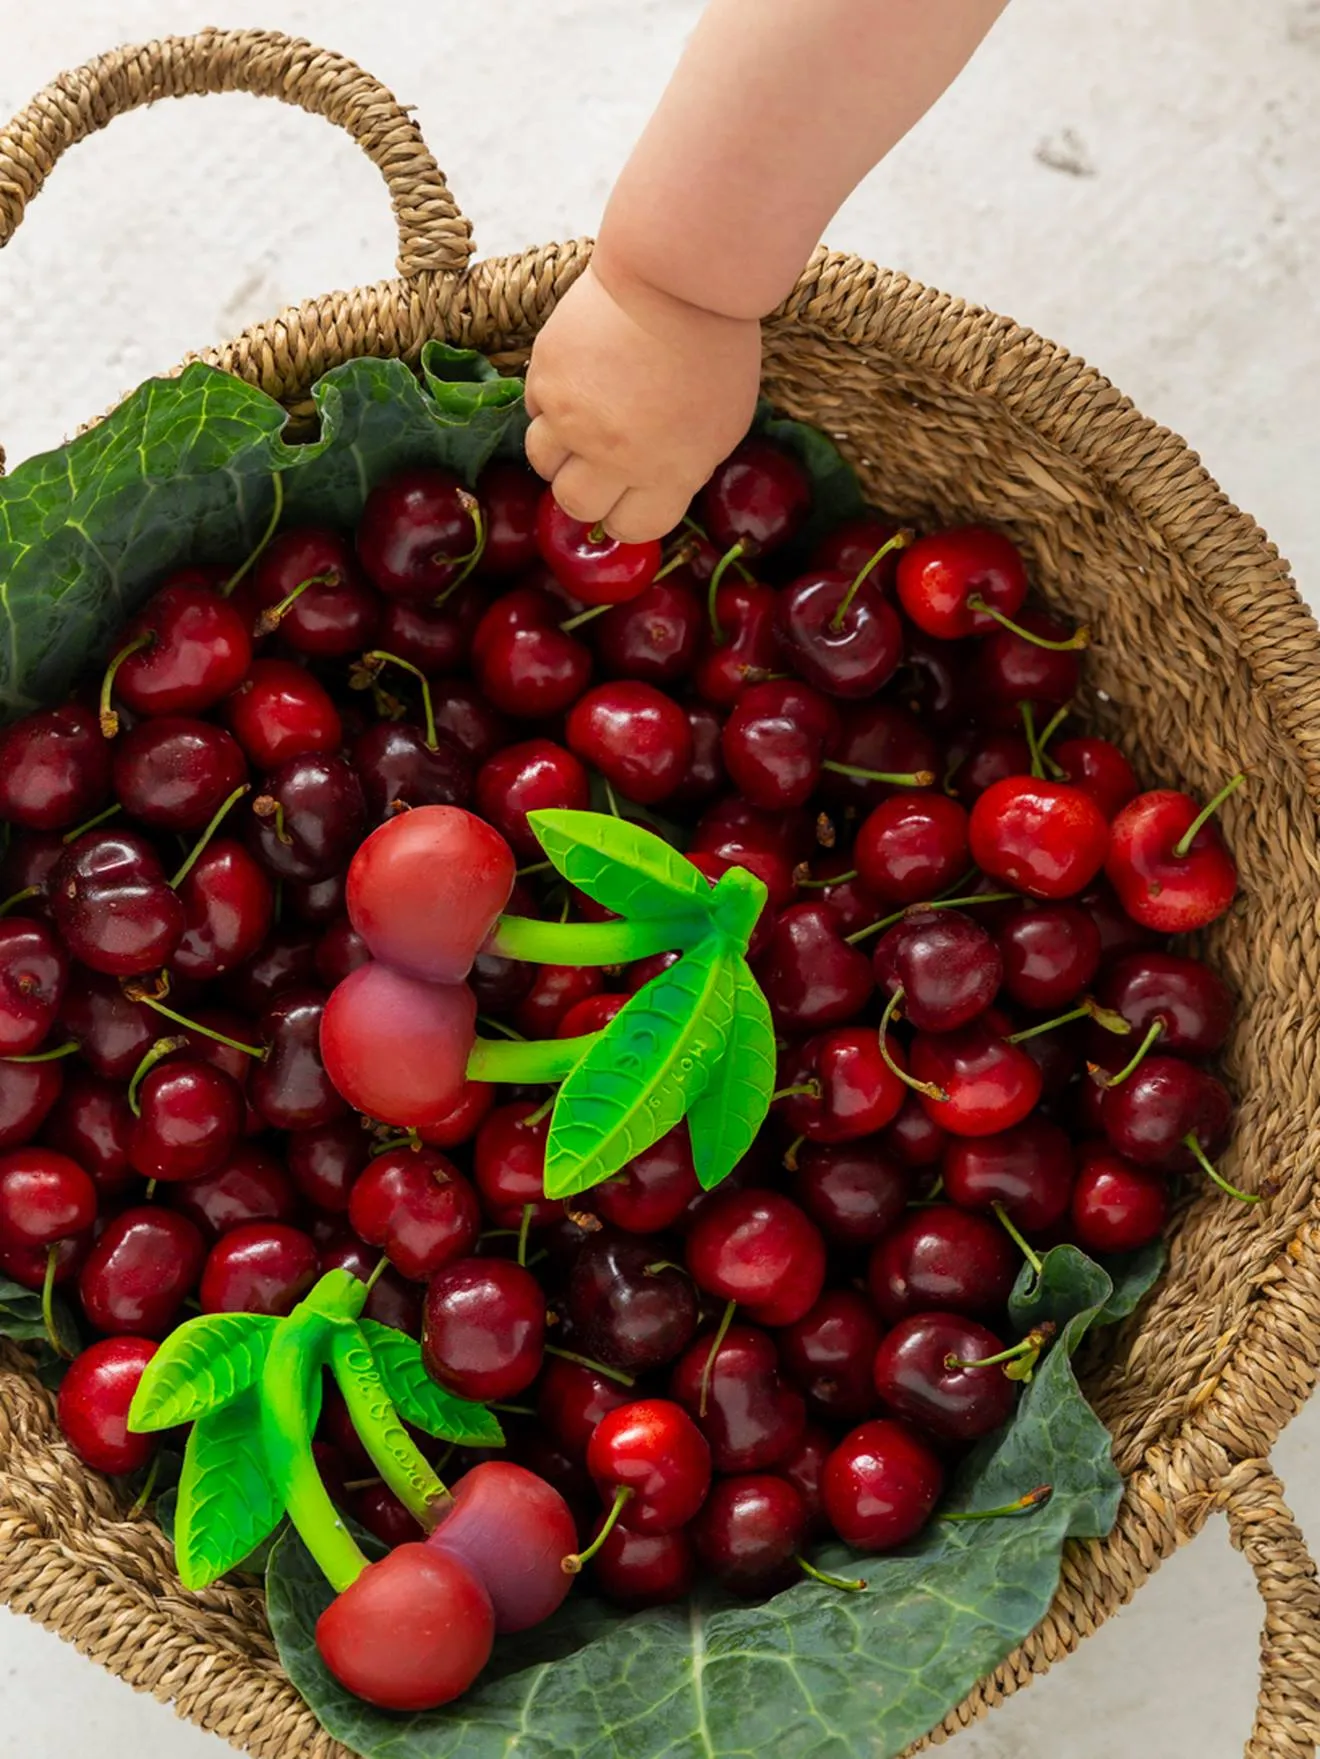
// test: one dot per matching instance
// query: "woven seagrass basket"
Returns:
(1205, 662)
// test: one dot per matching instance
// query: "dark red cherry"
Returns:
(28, 1091)
(1044, 838)
(463, 1119)
(279, 712)
(112, 905)
(554, 991)
(189, 1118)
(750, 1416)
(850, 1090)
(594, 567)
(324, 1161)
(883, 739)
(31, 1266)
(290, 1087)
(705, 776)
(653, 637)
(853, 1191)
(637, 1570)
(94, 1401)
(651, 1193)
(33, 973)
(572, 1399)
(745, 651)
(228, 907)
(977, 760)
(196, 650)
(1009, 670)
(1149, 1117)
(652, 1449)
(637, 737)
(880, 1486)
(376, 1508)
(1191, 1004)
(804, 1468)
(839, 634)
(930, 682)
(913, 846)
(44, 1197)
(509, 494)
(463, 715)
(1116, 1206)
(759, 498)
(945, 963)
(308, 818)
(54, 769)
(734, 823)
(26, 867)
(523, 661)
(249, 1185)
(522, 778)
(508, 1165)
(913, 1138)
(811, 976)
(1028, 1170)
(339, 952)
(484, 1328)
(775, 741)
(396, 763)
(307, 582)
(92, 1126)
(1050, 954)
(113, 1033)
(846, 548)
(285, 960)
(921, 1374)
(417, 533)
(174, 774)
(1098, 769)
(630, 1308)
(941, 575)
(1118, 933)
(942, 1259)
(829, 1352)
(760, 1250)
(982, 1082)
(436, 641)
(393, 1301)
(139, 1272)
(418, 1208)
(835, 882)
(263, 1267)
(749, 1534)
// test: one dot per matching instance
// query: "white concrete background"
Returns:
(1138, 180)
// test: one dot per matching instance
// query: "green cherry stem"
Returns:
(1028, 714)
(81, 830)
(1088, 1009)
(163, 1047)
(143, 1496)
(929, 1088)
(1183, 847)
(573, 1563)
(1078, 639)
(850, 1584)
(472, 507)
(732, 555)
(524, 1228)
(18, 898)
(1034, 1499)
(53, 1337)
(392, 1450)
(108, 718)
(587, 616)
(836, 879)
(1134, 1062)
(1047, 733)
(721, 1332)
(269, 620)
(216, 821)
(277, 507)
(912, 779)
(899, 541)
(66, 1049)
(933, 904)
(593, 943)
(1015, 1234)
(136, 993)
(807, 1089)
(378, 656)
(618, 1374)
(1213, 1173)
(1019, 1360)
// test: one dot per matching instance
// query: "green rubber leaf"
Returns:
(203, 1366)
(165, 1511)
(419, 1400)
(622, 865)
(724, 1120)
(813, 1673)
(643, 1072)
(836, 494)
(227, 1502)
(183, 472)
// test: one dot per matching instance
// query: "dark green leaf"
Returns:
(201, 1367)
(626, 868)
(640, 1075)
(22, 1322)
(419, 1400)
(836, 494)
(812, 1674)
(1134, 1275)
(227, 1503)
(724, 1120)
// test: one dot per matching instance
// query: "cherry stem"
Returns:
(587, 616)
(541, 1113)
(216, 821)
(81, 830)
(1183, 847)
(684, 551)
(524, 1227)
(534, 868)
(386, 659)
(913, 779)
(1134, 1062)
(1087, 1009)
(66, 1049)
(721, 1332)
(1050, 728)
(1026, 1351)
(19, 898)
(109, 719)
(899, 541)
(269, 620)
(837, 879)
(53, 1337)
(382, 1265)
(277, 507)
(1212, 1172)
(1034, 1499)
(136, 994)
(391, 1143)
(791, 1153)
(809, 1089)
(726, 561)
(619, 1374)
(1028, 714)
(933, 904)
(1015, 1234)
(1078, 639)
(472, 507)
(499, 1026)
(143, 1496)
(850, 1584)
(514, 1410)
(266, 806)
(573, 1563)
(597, 533)
(163, 1047)
(929, 1088)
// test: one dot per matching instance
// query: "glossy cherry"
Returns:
(324, 1161)
(811, 977)
(746, 650)
(750, 1533)
(977, 760)
(94, 1400)
(940, 575)
(879, 738)
(250, 1185)
(555, 991)
(138, 1274)
(34, 970)
(638, 738)
(285, 960)
(1008, 670)
(1149, 1117)
(637, 1570)
(228, 907)
(630, 1307)
(919, 1375)
(510, 495)
(484, 1328)
(804, 1468)
(1168, 875)
(983, 1082)
(113, 1033)
(705, 775)
(828, 1355)
(839, 634)
(652, 1191)
(54, 769)
(946, 965)
(92, 1127)
(759, 1249)
(1045, 838)
(262, 1267)
(513, 1531)
(44, 1197)
(190, 648)
(912, 846)
(1027, 1169)
(759, 498)
(880, 1485)
(748, 1413)
(571, 1400)
(435, 640)
(399, 764)
(1050, 954)
(854, 1191)
(521, 778)
(524, 662)
(190, 1115)
(279, 711)
(418, 1208)
(594, 567)
(654, 637)
(913, 1137)
(28, 1092)
(308, 585)
(1190, 1003)
(308, 818)
(112, 905)
(508, 1165)
(850, 1090)
(417, 533)
(775, 741)
(1116, 1206)
(1099, 769)
(174, 773)
(942, 1259)
(652, 1449)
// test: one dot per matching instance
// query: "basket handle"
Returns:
(434, 237)
(1261, 1526)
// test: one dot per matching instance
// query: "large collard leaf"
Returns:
(228, 1502)
(724, 1120)
(183, 471)
(419, 1400)
(203, 1366)
(623, 866)
(812, 1674)
(22, 1322)
(836, 494)
(642, 1073)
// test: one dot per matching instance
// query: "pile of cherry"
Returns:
(988, 1046)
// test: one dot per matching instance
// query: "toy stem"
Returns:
(371, 1412)
(527, 1062)
(593, 943)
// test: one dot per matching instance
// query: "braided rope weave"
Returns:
(1206, 661)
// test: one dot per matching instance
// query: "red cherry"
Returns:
(228, 906)
(508, 1165)
(524, 662)
(462, 1121)
(1190, 1003)
(417, 533)
(510, 495)
(195, 649)
(1119, 934)
(1008, 670)
(1116, 1206)
(285, 960)
(33, 972)
(747, 1413)
(308, 818)
(880, 1486)
(113, 1033)
(394, 1301)
(396, 1048)
(593, 1014)
(190, 1117)
(112, 906)
(250, 1185)
(775, 741)
(839, 634)
(279, 711)
(522, 778)
(1050, 954)
(572, 1399)
(942, 1259)
(811, 976)
(761, 1250)
(1168, 875)
(804, 1468)
(92, 1127)
(555, 991)
(44, 1197)
(307, 582)
(595, 568)
(1045, 838)
(652, 1449)
(853, 1191)
(652, 1192)
(376, 1508)
(484, 1328)
(986, 1083)
(922, 1373)
(846, 548)
(653, 637)
(405, 765)
(637, 1570)
(912, 846)
(913, 1138)
(940, 574)
(749, 1534)
(340, 951)
(828, 1354)
(513, 1531)
(858, 1092)
(28, 1092)
(138, 1274)
(629, 1308)
(1028, 1170)
(418, 1208)
(174, 773)
(1098, 769)
(411, 1633)
(746, 651)
(264, 1267)
(946, 965)
(638, 738)
(94, 1400)
(54, 769)
(323, 1162)
(1150, 1117)
(978, 760)
(882, 739)
(759, 498)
